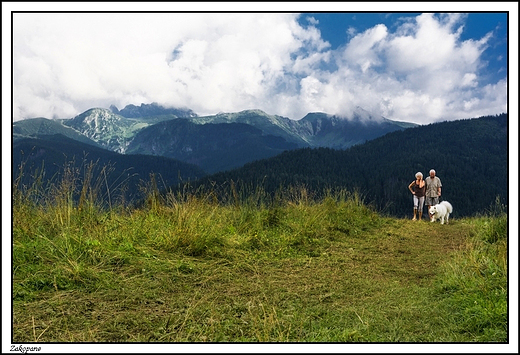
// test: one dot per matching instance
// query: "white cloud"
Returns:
(428, 47)
(66, 63)
(422, 72)
(469, 79)
(362, 49)
(312, 20)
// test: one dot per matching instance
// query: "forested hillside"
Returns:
(469, 156)
(49, 158)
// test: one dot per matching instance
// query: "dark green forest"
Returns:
(470, 157)
(47, 159)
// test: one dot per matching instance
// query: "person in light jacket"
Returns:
(433, 189)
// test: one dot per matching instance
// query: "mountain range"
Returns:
(213, 143)
(375, 156)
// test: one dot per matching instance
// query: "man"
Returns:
(433, 189)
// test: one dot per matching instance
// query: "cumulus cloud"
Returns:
(421, 73)
(64, 64)
(361, 49)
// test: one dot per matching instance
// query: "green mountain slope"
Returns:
(212, 147)
(323, 130)
(110, 130)
(38, 127)
(269, 124)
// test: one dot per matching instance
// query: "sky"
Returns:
(414, 67)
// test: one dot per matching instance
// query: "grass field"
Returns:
(190, 269)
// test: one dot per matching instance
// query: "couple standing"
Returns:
(429, 188)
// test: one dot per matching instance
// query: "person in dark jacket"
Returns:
(418, 190)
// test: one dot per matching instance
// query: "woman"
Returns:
(418, 189)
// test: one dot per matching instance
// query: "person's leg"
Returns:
(429, 204)
(415, 203)
(420, 207)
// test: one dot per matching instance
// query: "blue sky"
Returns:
(414, 67)
(334, 28)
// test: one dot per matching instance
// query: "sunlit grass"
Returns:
(293, 268)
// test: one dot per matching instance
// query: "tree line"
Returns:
(469, 156)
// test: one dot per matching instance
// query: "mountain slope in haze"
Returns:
(38, 127)
(269, 124)
(469, 156)
(53, 153)
(315, 129)
(212, 146)
(323, 130)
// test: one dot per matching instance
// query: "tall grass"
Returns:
(474, 283)
(227, 264)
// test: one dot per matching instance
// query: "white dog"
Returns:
(440, 211)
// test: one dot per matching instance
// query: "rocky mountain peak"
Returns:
(152, 110)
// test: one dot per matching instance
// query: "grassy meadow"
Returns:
(291, 268)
